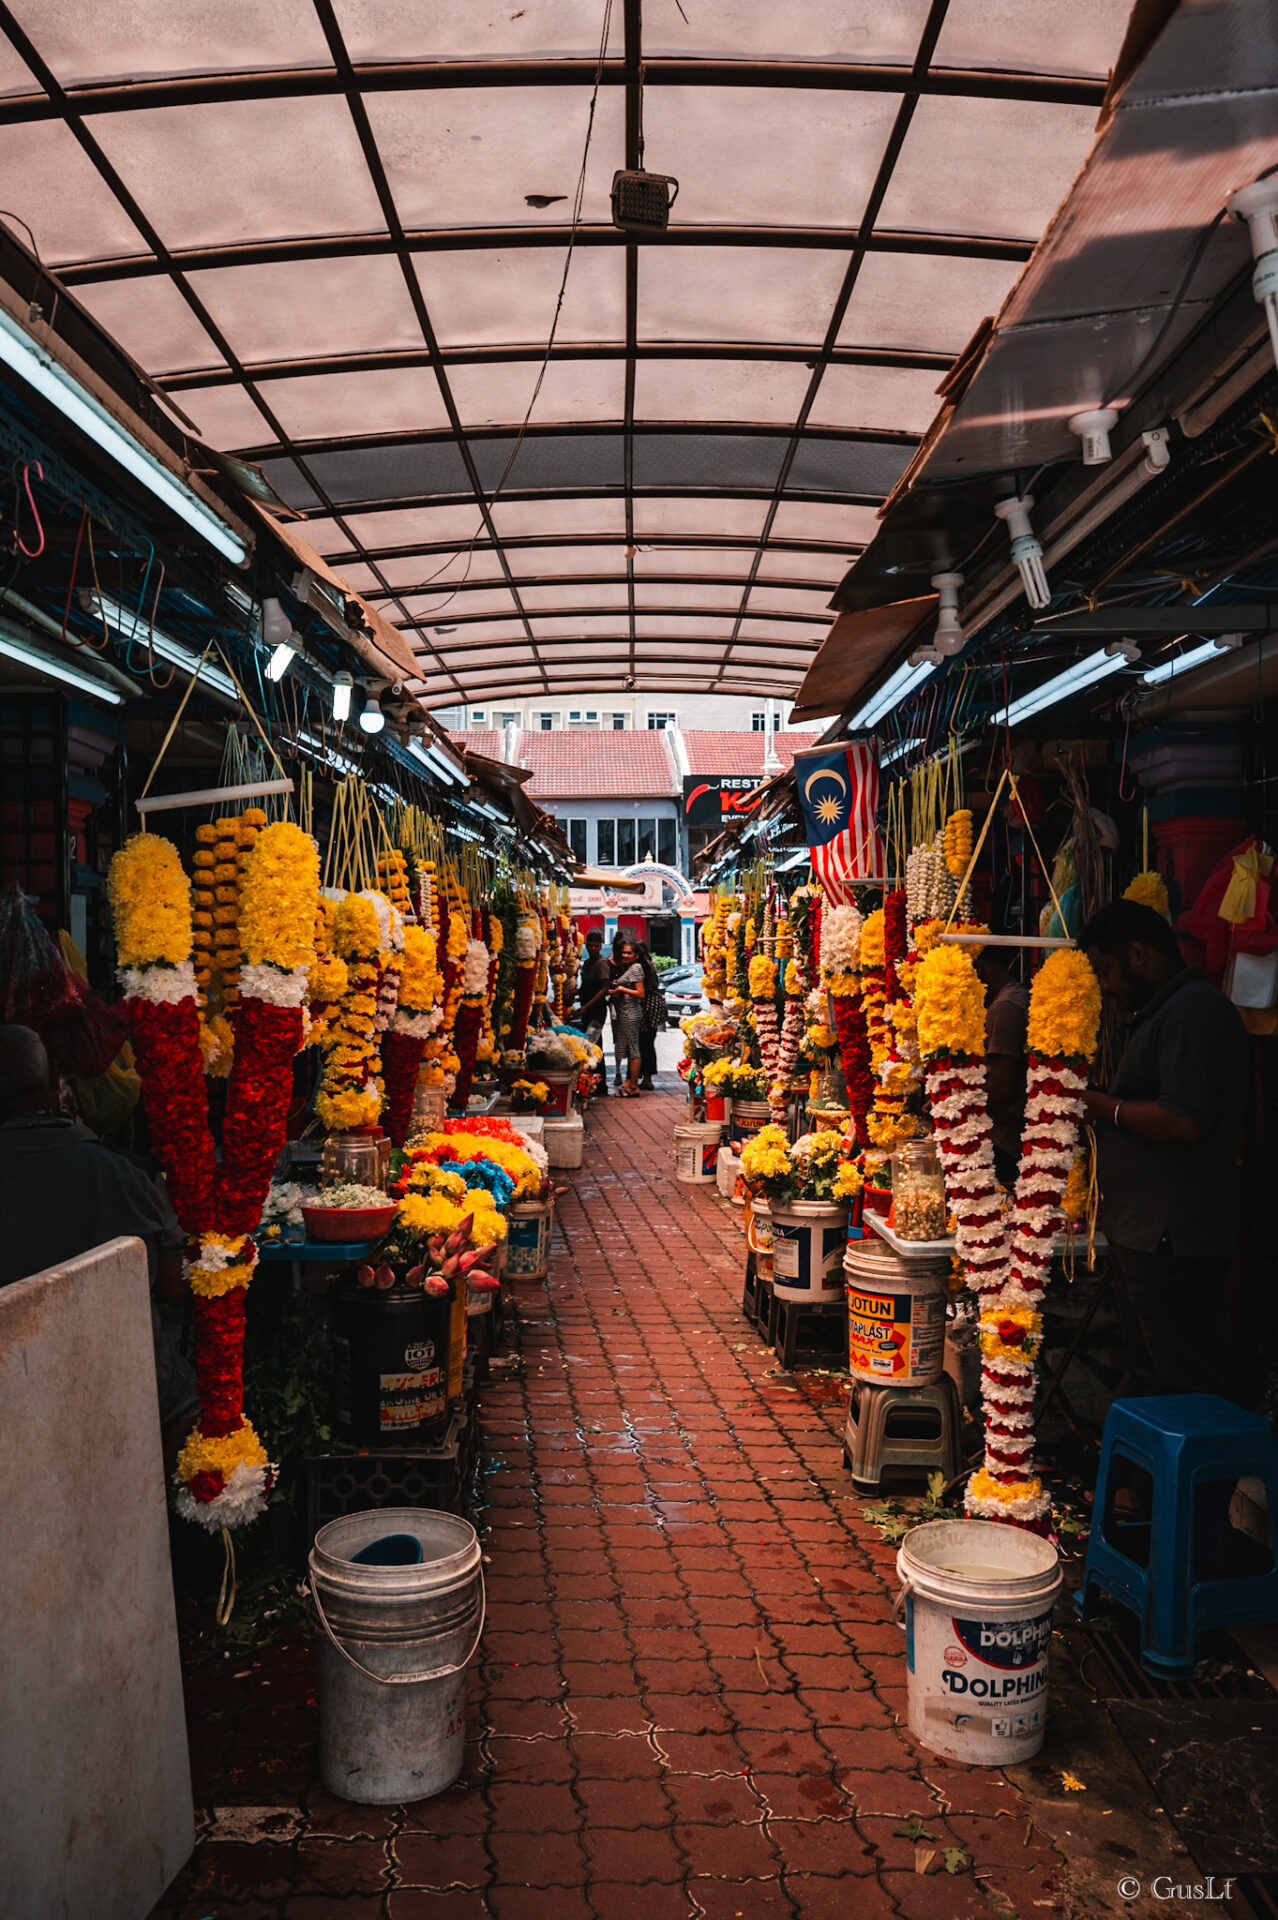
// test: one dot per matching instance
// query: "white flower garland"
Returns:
(161, 985)
(841, 929)
(278, 989)
(243, 1498)
(475, 969)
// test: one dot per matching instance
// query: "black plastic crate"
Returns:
(438, 1477)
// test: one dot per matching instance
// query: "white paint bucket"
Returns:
(896, 1314)
(978, 1625)
(758, 1232)
(808, 1242)
(697, 1152)
(394, 1645)
(727, 1168)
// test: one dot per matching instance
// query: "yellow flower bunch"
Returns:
(211, 1282)
(223, 1455)
(420, 981)
(151, 901)
(458, 937)
(217, 1045)
(784, 939)
(766, 1158)
(889, 1129)
(718, 1073)
(428, 1214)
(392, 878)
(842, 985)
(950, 1004)
(1064, 1008)
(521, 1166)
(983, 1486)
(793, 982)
(824, 1146)
(822, 1038)
(958, 842)
(1149, 890)
(848, 1181)
(350, 1093)
(872, 954)
(279, 897)
(356, 934)
(1010, 1333)
(763, 977)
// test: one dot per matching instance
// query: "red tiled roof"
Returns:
(485, 740)
(625, 763)
(740, 752)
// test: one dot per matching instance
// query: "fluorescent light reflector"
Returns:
(57, 670)
(1182, 662)
(1082, 674)
(895, 689)
(131, 628)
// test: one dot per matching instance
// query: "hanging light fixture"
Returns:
(277, 631)
(949, 637)
(371, 717)
(343, 686)
(1258, 206)
(1027, 551)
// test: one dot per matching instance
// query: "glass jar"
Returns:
(430, 1104)
(918, 1192)
(354, 1157)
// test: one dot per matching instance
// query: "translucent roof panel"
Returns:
(497, 296)
(783, 157)
(768, 391)
(300, 309)
(778, 295)
(467, 157)
(328, 282)
(238, 170)
(149, 38)
(997, 167)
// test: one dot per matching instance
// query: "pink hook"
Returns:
(32, 553)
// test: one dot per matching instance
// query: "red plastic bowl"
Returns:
(347, 1225)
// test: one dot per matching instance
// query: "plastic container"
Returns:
(697, 1152)
(344, 1226)
(391, 1351)
(758, 1233)
(896, 1314)
(809, 1238)
(978, 1600)
(748, 1118)
(564, 1141)
(394, 1645)
(727, 1167)
(527, 1243)
(716, 1106)
(918, 1192)
(560, 1088)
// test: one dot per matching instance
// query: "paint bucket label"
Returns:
(709, 1159)
(795, 1256)
(525, 1253)
(894, 1336)
(997, 1669)
(406, 1399)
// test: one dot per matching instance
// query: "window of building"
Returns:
(509, 719)
(606, 842)
(625, 843)
(583, 717)
(666, 843)
(660, 722)
(545, 722)
(622, 843)
(575, 833)
(617, 721)
(758, 722)
(478, 717)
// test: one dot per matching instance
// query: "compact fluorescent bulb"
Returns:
(342, 684)
(129, 627)
(23, 356)
(58, 670)
(895, 689)
(283, 657)
(1082, 674)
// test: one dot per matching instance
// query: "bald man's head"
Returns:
(24, 1073)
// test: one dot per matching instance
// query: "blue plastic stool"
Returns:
(1183, 1441)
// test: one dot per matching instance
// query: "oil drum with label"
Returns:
(390, 1353)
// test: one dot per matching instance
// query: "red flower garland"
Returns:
(166, 1041)
(521, 1007)
(854, 1045)
(258, 1098)
(401, 1064)
(219, 1363)
(466, 1031)
(896, 939)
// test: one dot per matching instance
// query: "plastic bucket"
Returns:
(716, 1106)
(978, 1601)
(393, 1646)
(726, 1168)
(697, 1152)
(748, 1118)
(896, 1315)
(528, 1240)
(758, 1232)
(559, 1091)
(808, 1242)
(391, 1353)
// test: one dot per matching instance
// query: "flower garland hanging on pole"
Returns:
(223, 1474)
(527, 947)
(470, 1019)
(417, 1016)
(1007, 1261)
(841, 931)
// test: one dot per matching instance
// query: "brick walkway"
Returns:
(691, 1690)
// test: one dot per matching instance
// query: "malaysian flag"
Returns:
(839, 793)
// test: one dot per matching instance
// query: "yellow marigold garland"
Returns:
(949, 1003)
(278, 898)
(1064, 1008)
(151, 901)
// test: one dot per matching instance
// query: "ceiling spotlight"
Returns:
(1258, 206)
(641, 202)
(342, 687)
(1093, 429)
(371, 718)
(276, 625)
(286, 651)
(949, 637)
(1027, 552)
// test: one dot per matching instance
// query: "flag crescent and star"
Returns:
(839, 793)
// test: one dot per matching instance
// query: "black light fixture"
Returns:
(641, 202)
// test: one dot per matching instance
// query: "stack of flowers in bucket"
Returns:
(1006, 1257)
(223, 1475)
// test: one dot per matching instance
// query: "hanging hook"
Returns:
(31, 553)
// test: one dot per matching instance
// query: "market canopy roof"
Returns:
(335, 232)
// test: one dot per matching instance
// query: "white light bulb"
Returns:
(1258, 206)
(371, 718)
(1027, 552)
(283, 657)
(276, 625)
(342, 685)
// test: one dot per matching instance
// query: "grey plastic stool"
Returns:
(916, 1427)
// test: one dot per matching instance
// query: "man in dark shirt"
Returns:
(1167, 1136)
(593, 984)
(1006, 1016)
(63, 1193)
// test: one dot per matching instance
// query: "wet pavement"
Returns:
(691, 1695)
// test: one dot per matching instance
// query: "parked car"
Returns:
(683, 990)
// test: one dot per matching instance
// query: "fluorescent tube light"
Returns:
(1196, 657)
(58, 670)
(891, 693)
(1082, 674)
(130, 628)
(25, 357)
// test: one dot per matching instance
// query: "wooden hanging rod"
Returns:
(210, 796)
(1002, 940)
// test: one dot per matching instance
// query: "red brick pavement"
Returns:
(691, 1693)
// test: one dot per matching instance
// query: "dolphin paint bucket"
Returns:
(808, 1242)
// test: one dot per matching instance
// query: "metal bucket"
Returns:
(394, 1645)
